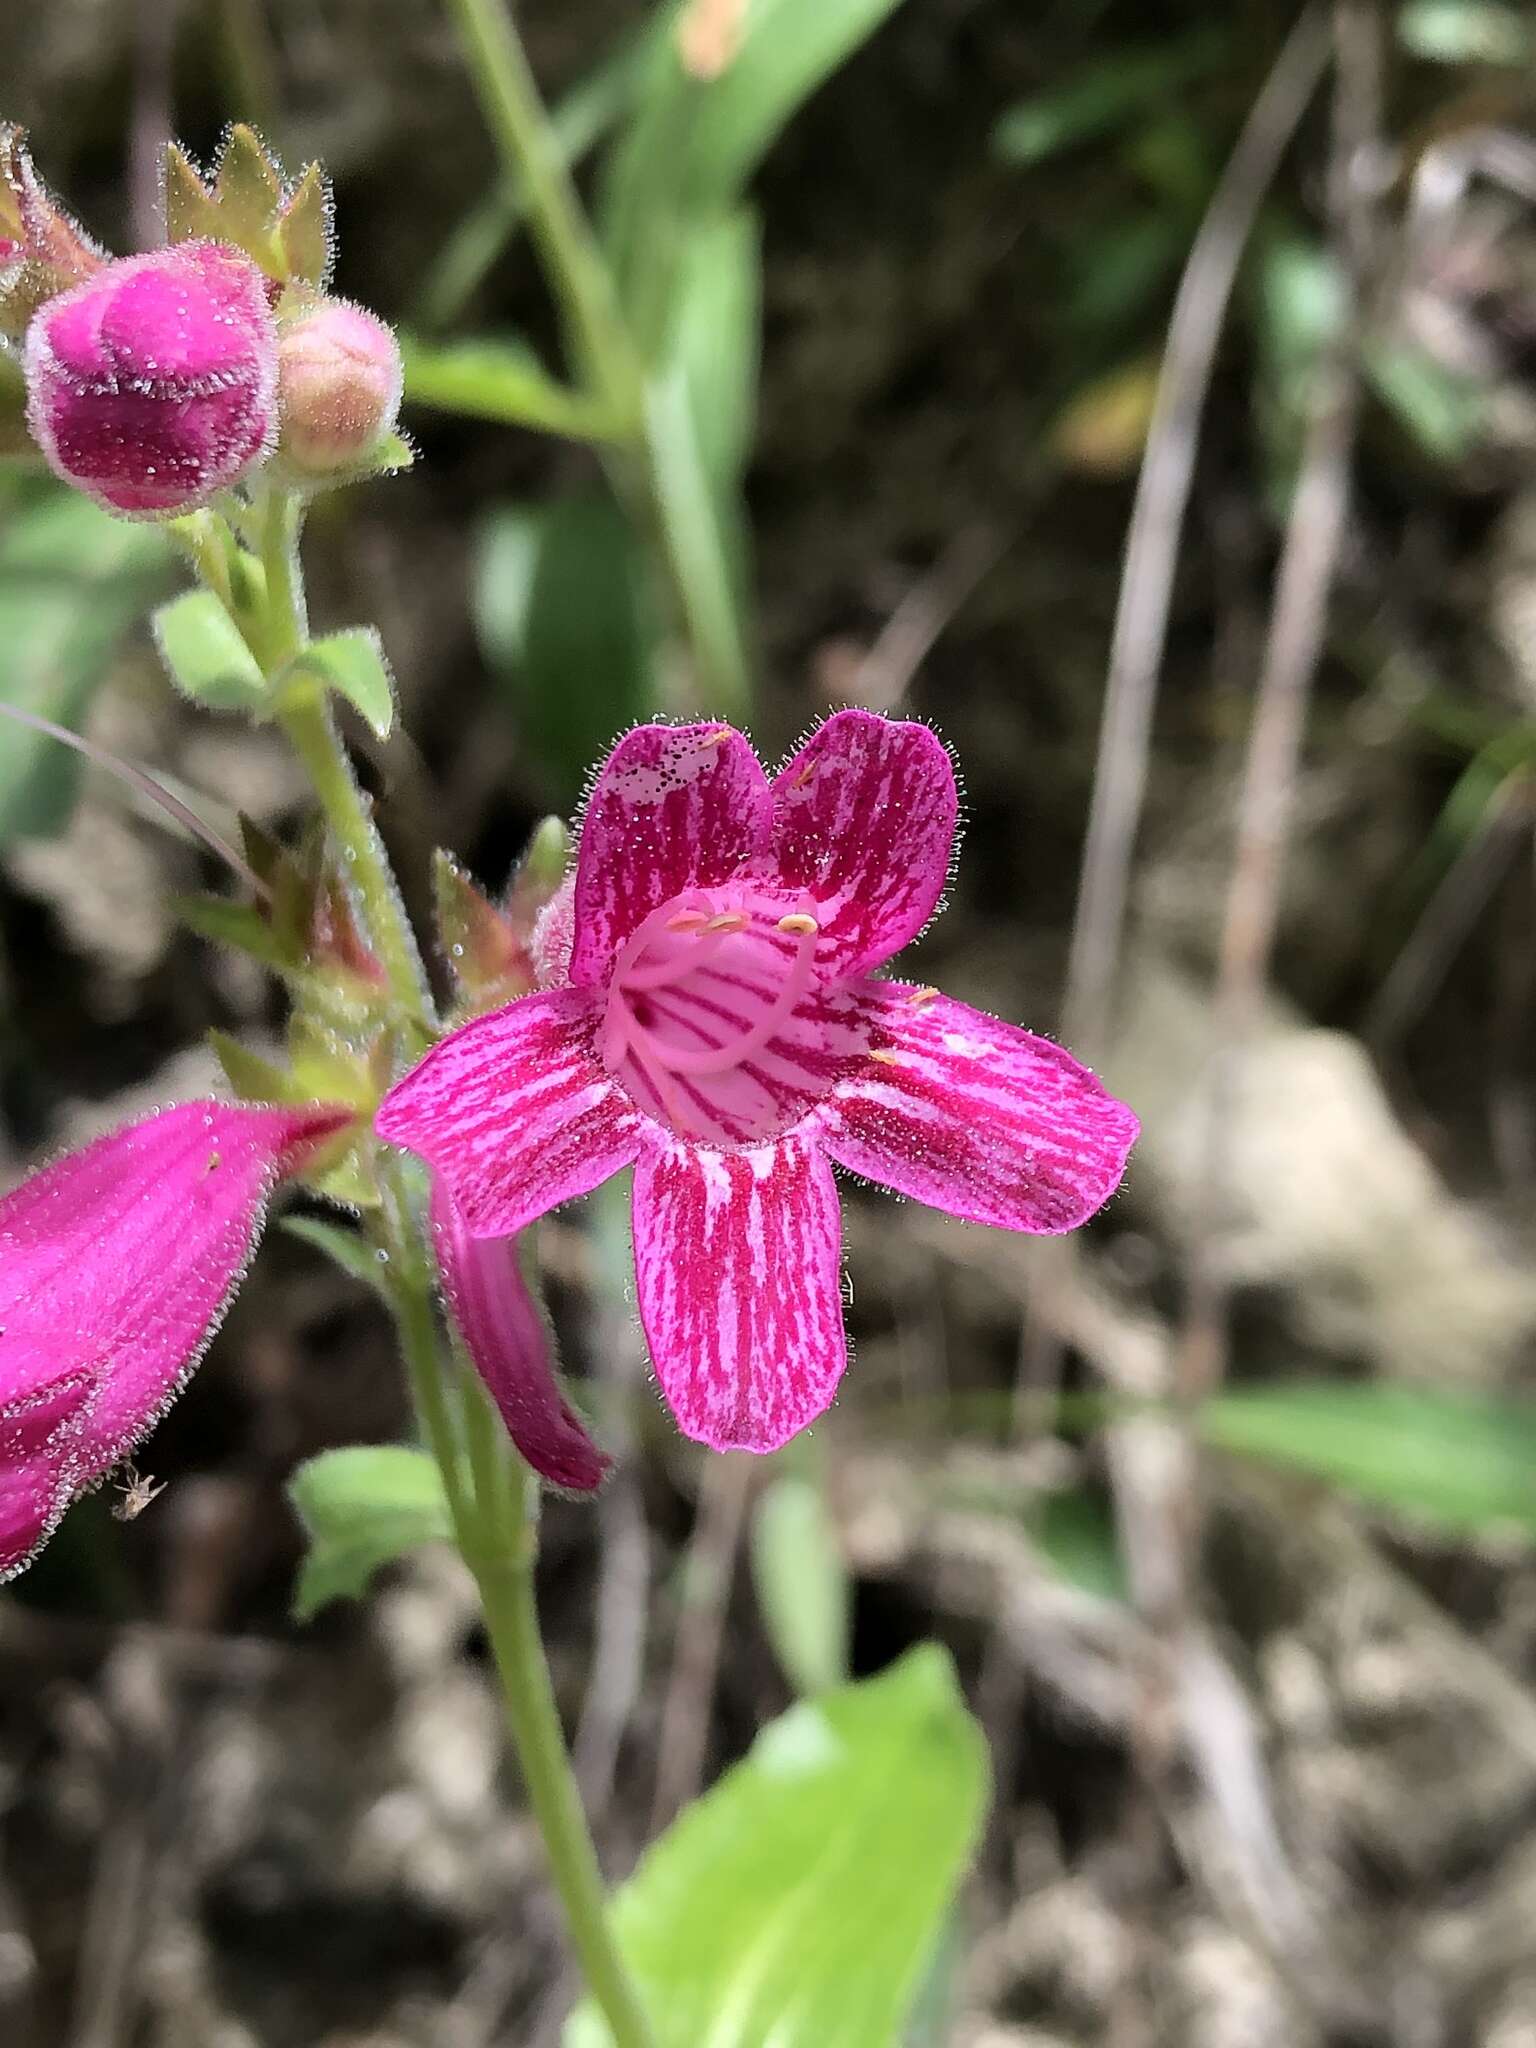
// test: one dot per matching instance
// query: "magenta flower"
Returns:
(116, 1265)
(721, 1028)
(152, 385)
(506, 1336)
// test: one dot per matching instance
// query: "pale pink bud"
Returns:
(152, 385)
(339, 381)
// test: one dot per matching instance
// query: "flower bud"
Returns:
(338, 386)
(151, 386)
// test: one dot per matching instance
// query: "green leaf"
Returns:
(1076, 1531)
(362, 1508)
(72, 581)
(353, 664)
(1465, 1461)
(205, 655)
(1465, 32)
(704, 533)
(502, 381)
(1099, 97)
(234, 924)
(1446, 412)
(253, 1078)
(802, 1586)
(714, 341)
(348, 1249)
(559, 599)
(798, 1903)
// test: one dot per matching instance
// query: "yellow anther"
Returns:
(726, 921)
(718, 737)
(804, 776)
(800, 922)
(687, 921)
(885, 1056)
(918, 996)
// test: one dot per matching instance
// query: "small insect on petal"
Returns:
(138, 1489)
(885, 1055)
(717, 738)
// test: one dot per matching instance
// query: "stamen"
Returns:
(800, 922)
(918, 996)
(726, 921)
(687, 920)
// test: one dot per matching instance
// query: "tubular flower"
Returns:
(152, 385)
(505, 1334)
(117, 1263)
(721, 1029)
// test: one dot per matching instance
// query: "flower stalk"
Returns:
(492, 1496)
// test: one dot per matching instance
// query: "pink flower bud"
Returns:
(338, 387)
(151, 386)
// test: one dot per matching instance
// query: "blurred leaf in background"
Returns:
(1467, 1462)
(799, 1902)
(802, 1585)
(72, 581)
(561, 606)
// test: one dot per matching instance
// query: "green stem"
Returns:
(532, 150)
(495, 1518)
(307, 720)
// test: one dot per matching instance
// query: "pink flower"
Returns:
(116, 1265)
(506, 1336)
(152, 385)
(339, 382)
(722, 1030)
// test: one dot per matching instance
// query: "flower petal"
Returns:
(515, 1112)
(977, 1117)
(116, 1265)
(512, 1349)
(39, 1431)
(673, 807)
(738, 1257)
(864, 819)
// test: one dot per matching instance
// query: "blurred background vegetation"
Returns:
(1226, 1514)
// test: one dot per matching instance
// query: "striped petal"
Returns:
(976, 1117)
(515, 1112)
(674, 807)
(512, 1348)
(864, 820)
(738, 1258)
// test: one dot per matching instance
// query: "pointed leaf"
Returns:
(502, 381)
(253, 1078)
(247, 190)
(189, 209)
(304, 230)
(361, 1508)
(798, 1903)
(346, 1248)
(353, 664)
(205, 655)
